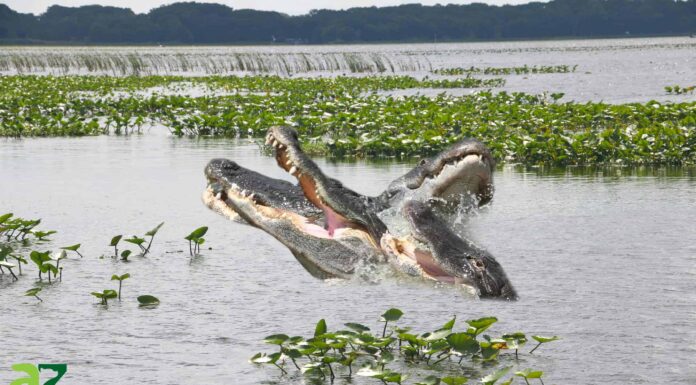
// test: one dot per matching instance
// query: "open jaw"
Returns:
(223, 173)
(464, 169)
(342, 207)
(433, 251)
(410, 256)
(324, 255)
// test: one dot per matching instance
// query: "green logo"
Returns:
(33, 373)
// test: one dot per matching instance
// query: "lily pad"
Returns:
(148, 300)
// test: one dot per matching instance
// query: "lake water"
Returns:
(610, 70)
(604, 258)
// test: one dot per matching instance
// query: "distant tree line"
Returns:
(203, 23)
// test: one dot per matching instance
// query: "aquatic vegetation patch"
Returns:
(135, 240)
(18, 236)
(677, 90)
(522, 70)
(356, 350)
(347, 117)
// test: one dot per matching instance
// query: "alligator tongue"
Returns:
(333, 220)
(431, 267)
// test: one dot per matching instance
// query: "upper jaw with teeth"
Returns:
(271, 140)
(221, 193)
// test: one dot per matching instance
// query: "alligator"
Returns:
(332, 229)
(434, 251)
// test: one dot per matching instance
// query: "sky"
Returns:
(292, 7)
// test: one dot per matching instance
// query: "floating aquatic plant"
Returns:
(196, 239)
(74, 248)
(105, 296)
(40, 259)
(120, 279)
(529, 373)
(680, 90)
(148, 300)
(136, 240)
(34, 293)
(114, 243)
(522, 70)
(9, 267)
(542, 340)
(327, 353)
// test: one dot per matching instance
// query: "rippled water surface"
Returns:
(604, 258)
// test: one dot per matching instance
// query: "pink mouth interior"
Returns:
(321, 232)
(334, 221)
(431, 267)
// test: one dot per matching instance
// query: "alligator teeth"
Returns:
(244, 193)
(275, 143)
(293, 170)
(218, 195)
(252, 195)
(268, 139)
(288, 162)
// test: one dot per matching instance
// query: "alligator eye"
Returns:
(422, 162)
(476, 262)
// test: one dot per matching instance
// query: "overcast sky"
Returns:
(293, 7)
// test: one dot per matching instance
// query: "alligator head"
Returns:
(434, 251)
(280, 209)
(224, 174)
(464, 169)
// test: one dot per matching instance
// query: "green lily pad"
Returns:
(72, 247)
(357, 327)
(115, 240)
(544, 339)
(454, 380)
(197, 233)
(148, 300)
(392, 314)
(320, 328)
(33, 291)
(463, 343)
(529, 373)
(154, 231)
(276, 339)
(492, 378)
